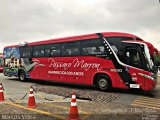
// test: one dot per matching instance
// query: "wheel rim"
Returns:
(22, 76)
(102, 83)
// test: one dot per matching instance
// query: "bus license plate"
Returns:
(134, 86)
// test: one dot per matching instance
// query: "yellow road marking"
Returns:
(66, 108)
(148, 98)
(35, 110)
(80, 111)
(47, 113)
(146, 106)
(147, 101)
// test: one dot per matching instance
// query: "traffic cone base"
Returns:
(1, 93)
(73, 119)
(1, 98)
(32, 106)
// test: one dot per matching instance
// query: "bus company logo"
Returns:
(76, 63)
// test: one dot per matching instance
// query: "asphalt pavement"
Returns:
(53, 101)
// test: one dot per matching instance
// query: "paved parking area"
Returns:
(126, 105)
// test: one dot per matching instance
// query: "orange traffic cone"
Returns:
(31, 99)
(73, 113)
(1, 93)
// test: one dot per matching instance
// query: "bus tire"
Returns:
(22, 76)
(103, 83)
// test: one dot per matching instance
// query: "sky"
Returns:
(32, 20)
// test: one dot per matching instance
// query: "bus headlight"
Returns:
(146, 76)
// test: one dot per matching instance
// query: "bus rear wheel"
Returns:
(22, 76)
(103, 83)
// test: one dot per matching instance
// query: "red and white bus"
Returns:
(1, 62)
(107, 60)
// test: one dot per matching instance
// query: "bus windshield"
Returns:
(148, 57)
(133, 54)
(139, 56)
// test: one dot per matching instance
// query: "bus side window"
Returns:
(48, 53)
(53, 50)
(71, 48)
(38, 51)
(93, 47)
(25, 52)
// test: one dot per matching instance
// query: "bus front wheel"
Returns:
(22, 76)
(103, 83)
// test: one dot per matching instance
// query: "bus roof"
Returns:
(79, 37)
(110, 34)
(64, 39)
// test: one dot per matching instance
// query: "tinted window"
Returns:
(117, 39)
(1, 61)
(38, 51)
(25, 52)
(116, 42)
(93, 47)
(52, 50)
(133, 56)
(71, 48)
(138, 39)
